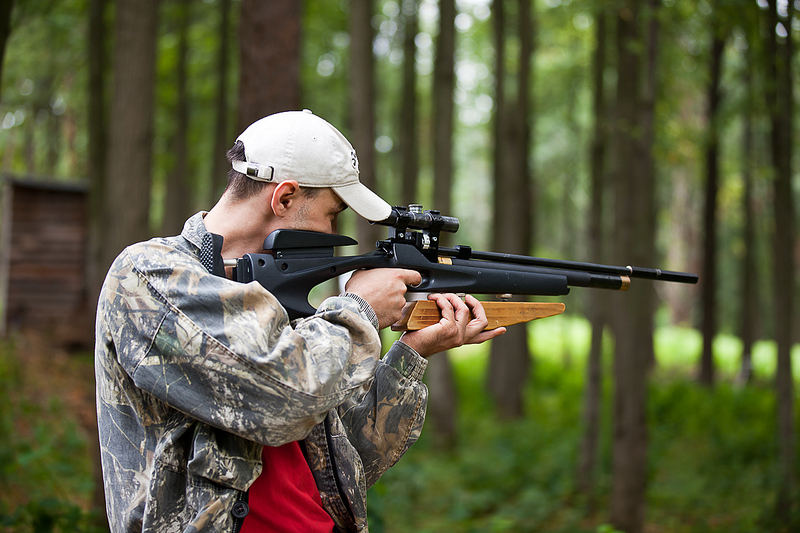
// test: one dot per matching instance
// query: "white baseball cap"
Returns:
(300, 146)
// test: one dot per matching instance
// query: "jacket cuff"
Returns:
(365, 308)
(406, 360)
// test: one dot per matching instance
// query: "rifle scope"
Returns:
(413, 217)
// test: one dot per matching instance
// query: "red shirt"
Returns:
(285, 498)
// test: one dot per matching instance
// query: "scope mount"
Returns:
(417, 227)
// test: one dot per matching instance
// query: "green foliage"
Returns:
(605, 528)
(49, 515)
(324, 60)
(43, 84)
(202, 78)
(711, 456)
(45, 464)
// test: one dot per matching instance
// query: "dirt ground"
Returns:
(48, 368)
(57, 385)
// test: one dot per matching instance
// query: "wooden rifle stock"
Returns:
(423, 313)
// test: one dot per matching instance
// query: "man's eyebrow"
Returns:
(342, 207)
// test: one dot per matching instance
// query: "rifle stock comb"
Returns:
(423, 313)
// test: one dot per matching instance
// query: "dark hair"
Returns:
(241, 187)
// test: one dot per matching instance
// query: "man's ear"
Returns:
(284, 196)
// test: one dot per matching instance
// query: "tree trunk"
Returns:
(442, 391)
(362, 108)
(499, 126)
(632, 319)
(780, 102)
(269, 59)
(709, 287)
(130, 151)
(222, 141)
(40, 153)
(510, 359)
(749, 279)
(647, 223)
(442, 401)
(6, 7)
(53, 130)
(97, 130)
(593, 399)
(29, 143)
(178, 201)
(524, 123)
(97, 133)
(409, 149)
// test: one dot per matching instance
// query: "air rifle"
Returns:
(297, 261)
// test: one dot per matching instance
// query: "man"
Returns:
(217, 414)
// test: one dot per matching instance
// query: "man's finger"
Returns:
(411, 278)
(446, 308)
(476, 308)
(486, 335)
(480, 320)
(461, 309)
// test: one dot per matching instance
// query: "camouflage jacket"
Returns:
(195, 373)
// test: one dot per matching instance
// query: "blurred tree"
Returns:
(178, 203)
(362, 108)
(219, 163)
(128, 172)
(97, 141)
(710, 215)
(748, 276)
(52, 124)
(40, 108)
(634, 217)
(443, 402)
(97, 129)
(443, 87)
(512, 231)
(646, 224)
(269, 75)
(780, 101)
(408, 132)
(325, 61)
(46, 98)
(587, 462)
(6, 6)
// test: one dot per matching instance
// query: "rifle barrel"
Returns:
(573, 277)
(465, 252)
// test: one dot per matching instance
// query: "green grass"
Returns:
(711, 452)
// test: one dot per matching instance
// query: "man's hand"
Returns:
(455, 328)
(384, 289)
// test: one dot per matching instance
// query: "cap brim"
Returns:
(364, 202)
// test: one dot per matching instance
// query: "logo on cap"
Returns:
(354, 159)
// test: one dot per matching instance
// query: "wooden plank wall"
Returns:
(45, 257)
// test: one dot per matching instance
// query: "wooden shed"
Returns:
(43, 255)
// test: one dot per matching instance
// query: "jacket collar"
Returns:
(194, 229)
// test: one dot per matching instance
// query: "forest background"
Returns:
(657, 133)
